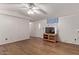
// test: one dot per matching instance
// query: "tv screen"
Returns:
(50, 30)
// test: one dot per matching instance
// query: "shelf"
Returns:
(49, 37)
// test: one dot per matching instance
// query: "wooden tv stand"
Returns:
(50, 37)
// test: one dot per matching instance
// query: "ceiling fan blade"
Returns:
(41, 10)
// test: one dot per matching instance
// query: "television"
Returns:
(50, 30)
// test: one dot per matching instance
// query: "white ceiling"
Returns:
(51, 9)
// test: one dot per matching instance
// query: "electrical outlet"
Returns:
(6, 39)
(75, 39)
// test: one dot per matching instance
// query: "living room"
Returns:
(39, 28)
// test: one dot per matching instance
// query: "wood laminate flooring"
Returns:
(36, 46)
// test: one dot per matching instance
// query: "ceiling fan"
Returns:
(33, 8)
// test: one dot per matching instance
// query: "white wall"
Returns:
(14, 28)
(39, 28)
(68, 29)
(31, 27)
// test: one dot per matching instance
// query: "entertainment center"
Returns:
(50, 34)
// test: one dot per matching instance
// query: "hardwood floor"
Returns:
(36, 46)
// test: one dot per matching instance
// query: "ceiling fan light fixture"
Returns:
(30, 12)
(35, 8)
